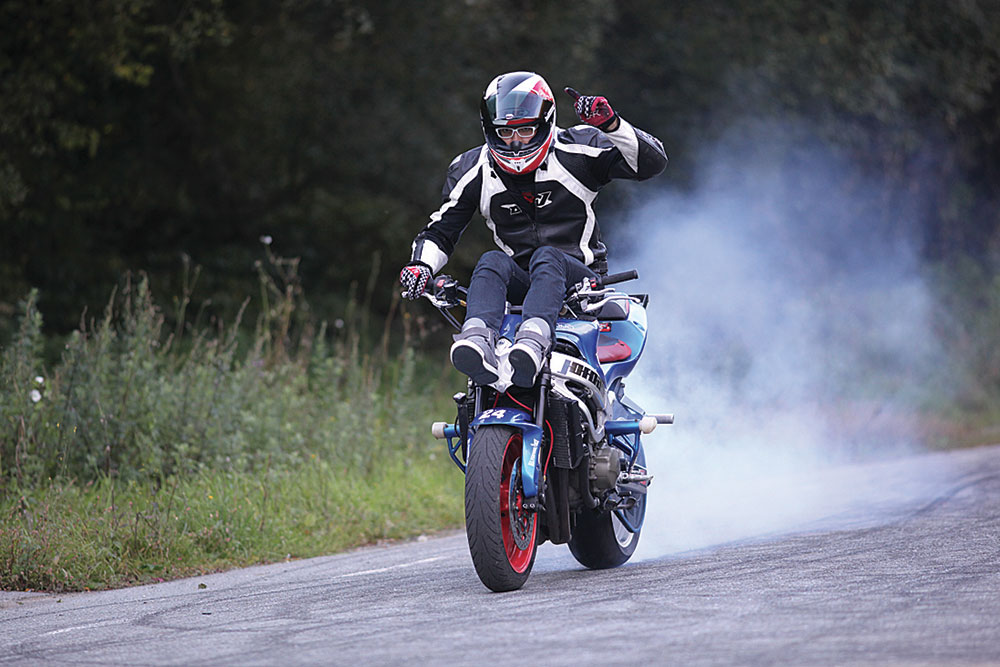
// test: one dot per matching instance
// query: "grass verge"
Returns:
(109, 533)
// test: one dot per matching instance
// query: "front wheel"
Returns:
(501, 531)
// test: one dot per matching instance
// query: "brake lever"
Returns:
(617, 296)
(444, 294)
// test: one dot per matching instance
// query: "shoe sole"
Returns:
(524, 368)
(468, 360)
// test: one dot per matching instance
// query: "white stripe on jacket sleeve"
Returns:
(627, 142)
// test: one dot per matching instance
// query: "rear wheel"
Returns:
(501, 532)
(601, 540)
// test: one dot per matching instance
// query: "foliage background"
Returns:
(134, 133)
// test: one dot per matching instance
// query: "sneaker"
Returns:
(528, 352)
(472, 353)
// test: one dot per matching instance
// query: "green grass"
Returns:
(112, 533)
(147, 454)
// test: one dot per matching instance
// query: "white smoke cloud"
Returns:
(789, 333)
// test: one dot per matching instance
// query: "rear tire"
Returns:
(600, 540)
(501, 534)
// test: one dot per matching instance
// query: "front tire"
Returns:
(501, 533)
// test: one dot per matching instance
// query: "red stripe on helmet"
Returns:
(543, 90)
(535, 158)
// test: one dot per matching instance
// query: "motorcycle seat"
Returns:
(610, 349)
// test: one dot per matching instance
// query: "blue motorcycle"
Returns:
(561, 461)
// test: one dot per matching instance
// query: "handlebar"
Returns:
(613, 278)
(444, 293)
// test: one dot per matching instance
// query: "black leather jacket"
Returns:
(552, 206)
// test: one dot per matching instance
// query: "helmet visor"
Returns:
(515, 107)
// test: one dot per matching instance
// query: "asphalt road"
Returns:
(895, 577)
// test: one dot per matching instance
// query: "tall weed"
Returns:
(130, 401)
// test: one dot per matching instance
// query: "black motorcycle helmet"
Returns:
(518, 105)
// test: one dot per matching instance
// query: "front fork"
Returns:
(532, 467)
(531, 424)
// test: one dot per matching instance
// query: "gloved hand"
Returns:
(414, 278)
(593, 110)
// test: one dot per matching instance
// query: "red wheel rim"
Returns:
(519, 559)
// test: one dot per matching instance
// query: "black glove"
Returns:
(593, 110)
(414, 278)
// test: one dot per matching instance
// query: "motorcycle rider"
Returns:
(535, 184)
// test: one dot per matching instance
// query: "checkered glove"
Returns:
(414, 278)
(593, 109)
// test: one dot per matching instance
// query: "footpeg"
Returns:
(634, 478)
(616, 502)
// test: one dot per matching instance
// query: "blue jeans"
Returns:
(497, 279)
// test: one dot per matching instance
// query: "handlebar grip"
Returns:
(613, 278)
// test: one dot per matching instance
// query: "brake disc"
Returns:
(520, 519)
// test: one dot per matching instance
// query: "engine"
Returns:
(606, 465)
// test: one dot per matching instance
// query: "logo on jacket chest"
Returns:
(542, 199)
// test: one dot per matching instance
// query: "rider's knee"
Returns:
(493, 261)
(547, 256)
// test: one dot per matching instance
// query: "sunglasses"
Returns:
(522, 132)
